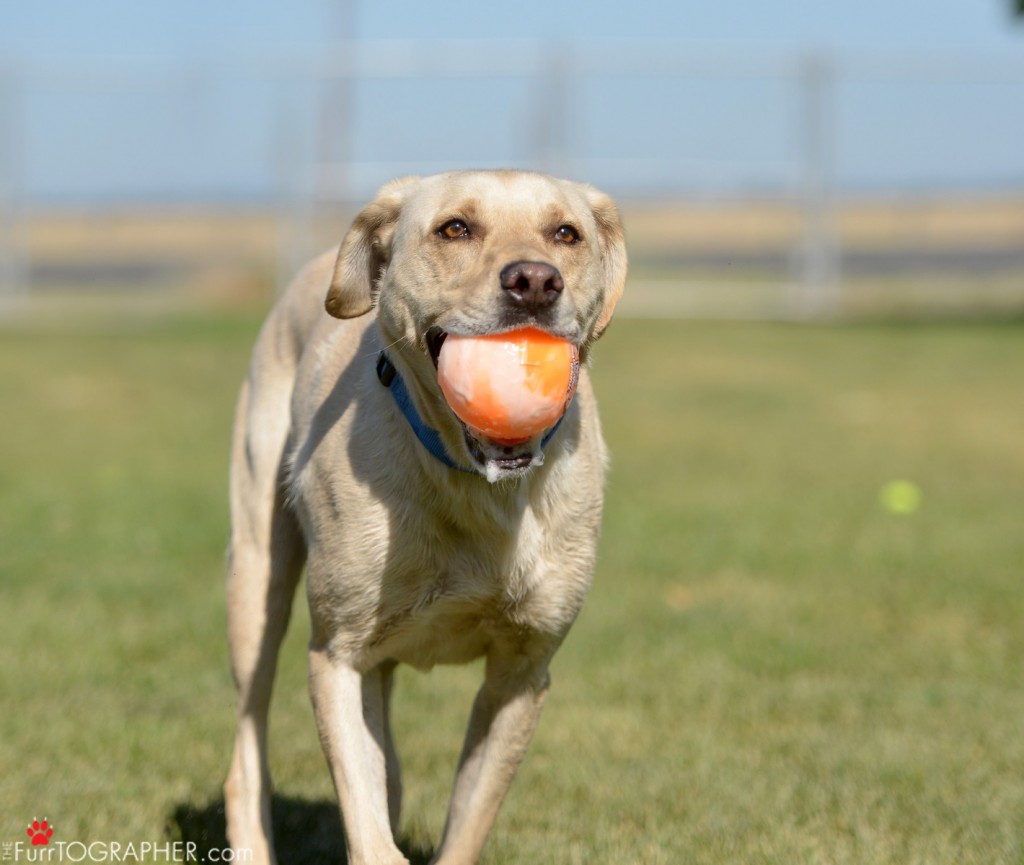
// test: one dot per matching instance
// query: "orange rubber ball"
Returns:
(509, 386)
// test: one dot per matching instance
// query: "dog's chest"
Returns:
(458, 591)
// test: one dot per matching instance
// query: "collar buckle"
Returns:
(386, 371)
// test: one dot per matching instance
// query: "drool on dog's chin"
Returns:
(496, 461)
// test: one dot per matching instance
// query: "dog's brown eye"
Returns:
(453, 229)
(567, 234)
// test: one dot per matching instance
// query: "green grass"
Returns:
(770, 669)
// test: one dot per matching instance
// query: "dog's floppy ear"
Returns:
(612, 242)
(365, 252)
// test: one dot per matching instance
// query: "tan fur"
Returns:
(409, 561)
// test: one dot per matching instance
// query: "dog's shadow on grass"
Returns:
(305, 833)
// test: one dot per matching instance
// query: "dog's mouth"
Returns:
(435, 336)
(434, 339)
(495, 460)
(498, 461)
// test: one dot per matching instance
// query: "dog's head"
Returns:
(473, 253)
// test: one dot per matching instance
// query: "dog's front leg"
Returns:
(350, 714)
(504, 716)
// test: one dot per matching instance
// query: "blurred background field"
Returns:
(825, 214)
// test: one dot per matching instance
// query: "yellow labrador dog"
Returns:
(424, 543)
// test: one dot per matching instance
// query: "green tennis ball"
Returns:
(900, 497)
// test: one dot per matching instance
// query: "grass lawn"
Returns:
(771, 668)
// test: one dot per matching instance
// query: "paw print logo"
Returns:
(40, 832)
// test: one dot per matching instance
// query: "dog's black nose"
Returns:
(534, 285)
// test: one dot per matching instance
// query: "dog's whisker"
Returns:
(402, 339)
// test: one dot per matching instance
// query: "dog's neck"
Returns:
(429, 437)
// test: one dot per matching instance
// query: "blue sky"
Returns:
(187, 27)
(164, 118)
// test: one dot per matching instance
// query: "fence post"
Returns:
(554, 104)
(293, 207)
(13, 253)
(819, 260)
